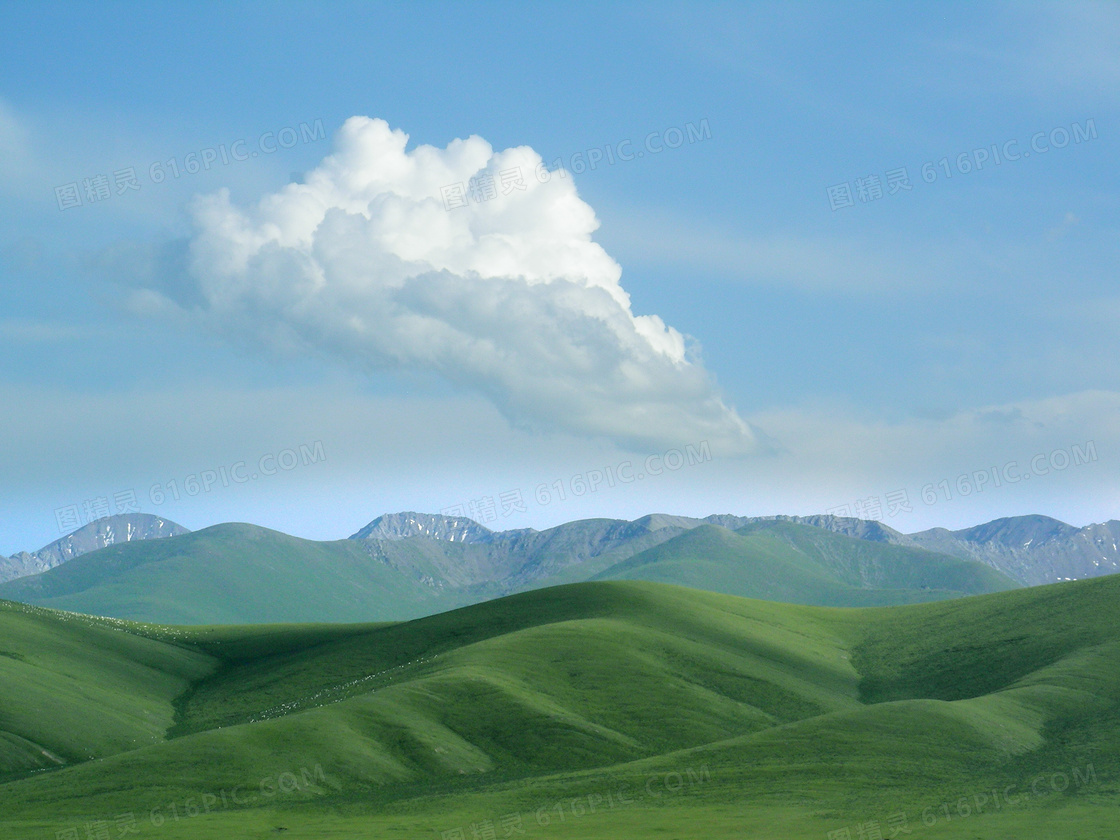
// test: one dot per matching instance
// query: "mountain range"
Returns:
(405, 565)
(420, 564)
(1032, 550)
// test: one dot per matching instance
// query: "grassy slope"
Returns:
(572, 692)
(74, 688)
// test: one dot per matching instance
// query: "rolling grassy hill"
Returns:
(238, 573)
(62, 673)
(610, 709)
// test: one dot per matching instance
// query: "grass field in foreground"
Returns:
(594, 710)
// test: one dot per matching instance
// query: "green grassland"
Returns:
(615, 709)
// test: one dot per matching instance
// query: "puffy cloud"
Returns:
(509, 296)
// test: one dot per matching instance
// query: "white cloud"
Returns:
(508, 296)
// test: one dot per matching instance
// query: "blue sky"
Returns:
(835, 354)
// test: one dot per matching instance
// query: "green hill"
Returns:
(612, 709)
(75, 688)
(800, 564)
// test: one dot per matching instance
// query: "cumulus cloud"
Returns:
(509, 296)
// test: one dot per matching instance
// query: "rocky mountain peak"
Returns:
(110, 530)
(400, 526)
